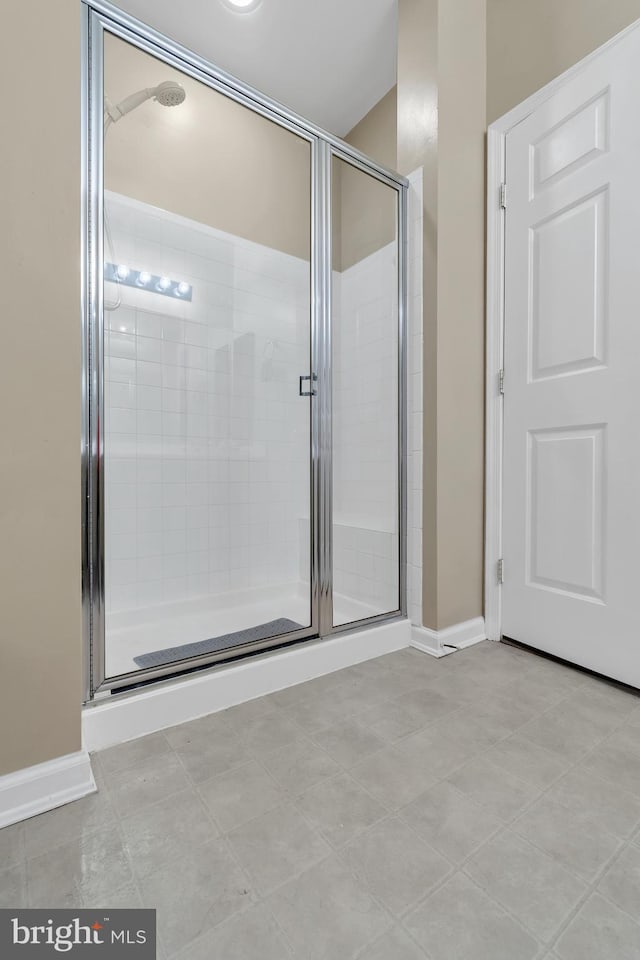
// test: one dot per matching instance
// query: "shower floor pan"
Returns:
(145, 631)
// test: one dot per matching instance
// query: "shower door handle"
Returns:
(312, 379)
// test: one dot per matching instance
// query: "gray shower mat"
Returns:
(157, 658)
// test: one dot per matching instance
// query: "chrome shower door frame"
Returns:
(343, 151)
(98, 17)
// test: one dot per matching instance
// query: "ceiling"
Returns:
(330, 60)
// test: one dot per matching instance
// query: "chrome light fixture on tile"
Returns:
(122, 274)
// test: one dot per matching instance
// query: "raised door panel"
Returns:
(568, 279)
(566, 510)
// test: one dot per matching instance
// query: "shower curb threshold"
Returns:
(124, 717)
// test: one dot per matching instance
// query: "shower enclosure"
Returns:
(244, 385)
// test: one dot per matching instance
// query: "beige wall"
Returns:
(376, 133)
(40, 617)
(461, 299)
(530, 43)
(209, 159)
(441, 124)
(364, 216)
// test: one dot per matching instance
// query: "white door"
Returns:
(571, 507)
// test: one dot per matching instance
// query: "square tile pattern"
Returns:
(485, 806)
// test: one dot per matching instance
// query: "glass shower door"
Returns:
(366, 378)
(205, 450)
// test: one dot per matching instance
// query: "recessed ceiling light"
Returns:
(243, 6)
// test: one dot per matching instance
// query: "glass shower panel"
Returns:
(206, 441)
(365, 345)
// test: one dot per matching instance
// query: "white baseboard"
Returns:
(440, 643)
(427, 640)
(107, 722)
(34, 790)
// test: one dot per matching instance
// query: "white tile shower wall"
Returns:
(414, 401)
(365, 430)
(365, 565)
(365, 385)
(207, 440)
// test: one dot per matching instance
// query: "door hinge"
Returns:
(500, 571)
(503, 196)
(501, 382)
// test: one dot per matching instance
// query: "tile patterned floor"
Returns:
(481, 807)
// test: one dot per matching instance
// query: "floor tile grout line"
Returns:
(515, 731)
(388, 812)
(354, 715)
(460, 709)
(506, 825)
(152, 803)
(372, 943)
(255, 759)
(283, 933)
(453, 869)
(510, 822)
(362, 833)
(332, 851)
(285, 800)
(545, 943)
(136, 880)
(459, 868)
(198, 786)
(612, 902)
(254, 898)
(282, 787)
(573, 913)
(468, 799)
(592, 888)
(219, 837)
(125, 743)
(156, 803)
(512, 916)
(591, 885)
(264, 898)
(72, 839)
(236, 915)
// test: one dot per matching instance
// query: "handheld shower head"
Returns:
(167, 94)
